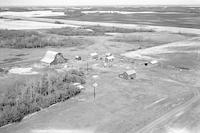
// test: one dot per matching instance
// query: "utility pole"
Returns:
(87, 66)
(94, 86)
(94, 92)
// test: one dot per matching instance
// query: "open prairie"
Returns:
(175, 16)
(164, 96)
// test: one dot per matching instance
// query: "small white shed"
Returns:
(108, 54)
(94, 55)
(109, 58)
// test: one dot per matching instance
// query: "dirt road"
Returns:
(163, 49)
(183, 107)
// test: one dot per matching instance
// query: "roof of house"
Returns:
(49, 57)
(130, 72)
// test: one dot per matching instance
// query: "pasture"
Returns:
(162, 98)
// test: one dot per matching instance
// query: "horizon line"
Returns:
(181, 5)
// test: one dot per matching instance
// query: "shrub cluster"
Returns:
(106, 29)
(39, 93)
(33, 39)
(68, 31)
(94, 31)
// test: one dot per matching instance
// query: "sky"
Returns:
(95, 2)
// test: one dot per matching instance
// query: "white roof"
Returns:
(108, 54)
(80, 87)
(75, 84)
(93, 54)
(89, 30)
(154, 61)
(49, 57)
(110, 57)
(130, 72)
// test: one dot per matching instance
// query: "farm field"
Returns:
(163, 98)
(32, 13)
(174, 16)
(24, 25)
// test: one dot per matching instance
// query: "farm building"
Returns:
(131, 74)
(77, 58)
(109, 58)
(151, 62)
(94, 55)
(108, 54)
(79, 86)
(53, 58)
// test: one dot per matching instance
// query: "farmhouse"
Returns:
(131, 74)
(53, 58)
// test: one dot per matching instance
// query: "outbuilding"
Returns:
(53, 58)
(109, 58)
(130, 74)
(108, 54)
(77, 57)
(94, 55)
(79, 86)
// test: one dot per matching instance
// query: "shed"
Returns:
(154, 62)
(53, 58)
(151, 62)
(80, 87)
(94, 55)
(77, 57)
(109, 58)
(108, 54)
(130, 74)
(76, 84)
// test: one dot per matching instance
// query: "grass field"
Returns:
(93, 31)
(187, 17)
(148, 39)
(119, 105)
(28, 25)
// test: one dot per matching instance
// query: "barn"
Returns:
(53, 58)
(130, 74)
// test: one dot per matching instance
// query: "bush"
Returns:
(94, 30)
(78, 73)
(38, 93)
(105, 29)
(68, 31)
(58, 22)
